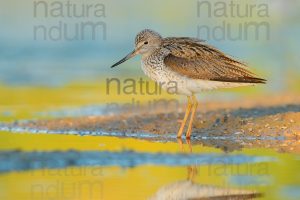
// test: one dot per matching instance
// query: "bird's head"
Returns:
(146, 42)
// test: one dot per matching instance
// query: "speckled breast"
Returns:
(154, 67)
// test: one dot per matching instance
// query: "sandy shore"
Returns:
(268, 122)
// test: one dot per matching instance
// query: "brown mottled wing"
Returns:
(194, 59)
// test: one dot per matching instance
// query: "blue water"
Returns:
(14, 160)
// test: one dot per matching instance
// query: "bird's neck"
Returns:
(147, 54)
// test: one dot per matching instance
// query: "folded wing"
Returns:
(197, 60)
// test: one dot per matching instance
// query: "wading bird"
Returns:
(192, 64)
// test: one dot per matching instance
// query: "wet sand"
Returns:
(266, 122)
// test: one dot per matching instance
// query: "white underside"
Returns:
(176, 83)
(192, 86)
(200, 85)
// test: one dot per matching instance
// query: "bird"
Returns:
(191, 65)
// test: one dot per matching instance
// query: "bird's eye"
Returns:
(146, 42)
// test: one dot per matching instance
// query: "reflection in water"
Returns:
(191, 169)
(189, 189)
(197, 171)
(122, 164)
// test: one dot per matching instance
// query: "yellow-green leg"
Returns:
(187, 112)
(195, 104)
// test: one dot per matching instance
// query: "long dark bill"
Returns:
(130, 55)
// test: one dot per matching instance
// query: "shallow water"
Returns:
(83, 164)
(111, 167)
